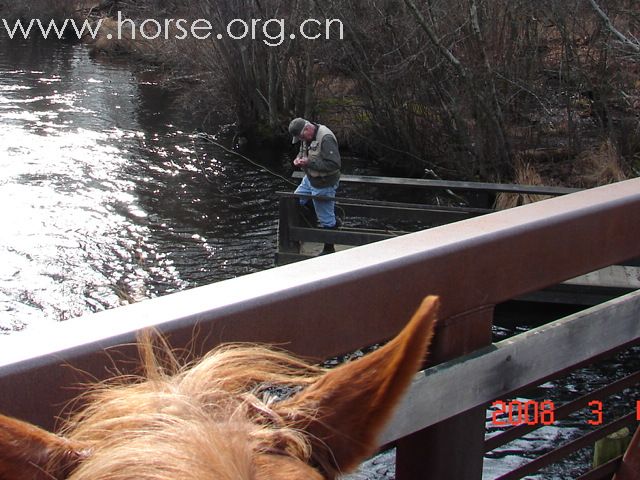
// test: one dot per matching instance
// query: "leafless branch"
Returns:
(634, 45)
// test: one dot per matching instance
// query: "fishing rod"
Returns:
(211, 139)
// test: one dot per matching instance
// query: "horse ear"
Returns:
(28, 452)
(346, 409)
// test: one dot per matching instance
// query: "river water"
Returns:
(103, 192)
(108, 196)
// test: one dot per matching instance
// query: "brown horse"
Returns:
(221, 418)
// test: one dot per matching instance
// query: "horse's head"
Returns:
(220, 419)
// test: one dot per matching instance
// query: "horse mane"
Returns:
(187, 419)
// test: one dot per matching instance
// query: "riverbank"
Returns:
(549, 96)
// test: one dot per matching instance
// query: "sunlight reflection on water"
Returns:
(103, 196)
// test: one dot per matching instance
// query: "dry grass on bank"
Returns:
(525, 174)
(599, 166)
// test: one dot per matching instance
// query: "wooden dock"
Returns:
(300, 239)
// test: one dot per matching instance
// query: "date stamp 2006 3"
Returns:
(532, 412)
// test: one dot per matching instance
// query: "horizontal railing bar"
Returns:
(397, 207)
(284, 258)
(381, 203)
(454, 185)
(573, 446)
(511, 364)
(342, 237)
(442, 214)
(604, 471)
(419, 217)
(563, 411)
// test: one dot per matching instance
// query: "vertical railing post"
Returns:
(289, 217)
(452, 449)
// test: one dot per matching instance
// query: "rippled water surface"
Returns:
(103, 195)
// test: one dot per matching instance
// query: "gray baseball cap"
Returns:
(295, 128)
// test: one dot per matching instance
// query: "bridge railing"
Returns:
(475, 194)
(470, 199)
(499, 372)
(338, 303)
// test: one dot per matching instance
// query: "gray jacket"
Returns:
(324, 165)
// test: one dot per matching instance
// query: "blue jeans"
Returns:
(325, 209)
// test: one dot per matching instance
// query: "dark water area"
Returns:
(108, 195)
(514, 318)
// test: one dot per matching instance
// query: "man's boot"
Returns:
(330, 247)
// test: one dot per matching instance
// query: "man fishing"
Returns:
(319, 159)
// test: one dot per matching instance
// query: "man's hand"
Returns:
(301, 162)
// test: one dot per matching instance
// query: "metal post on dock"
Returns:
(288, 217)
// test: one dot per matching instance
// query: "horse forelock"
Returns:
(212, 419)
